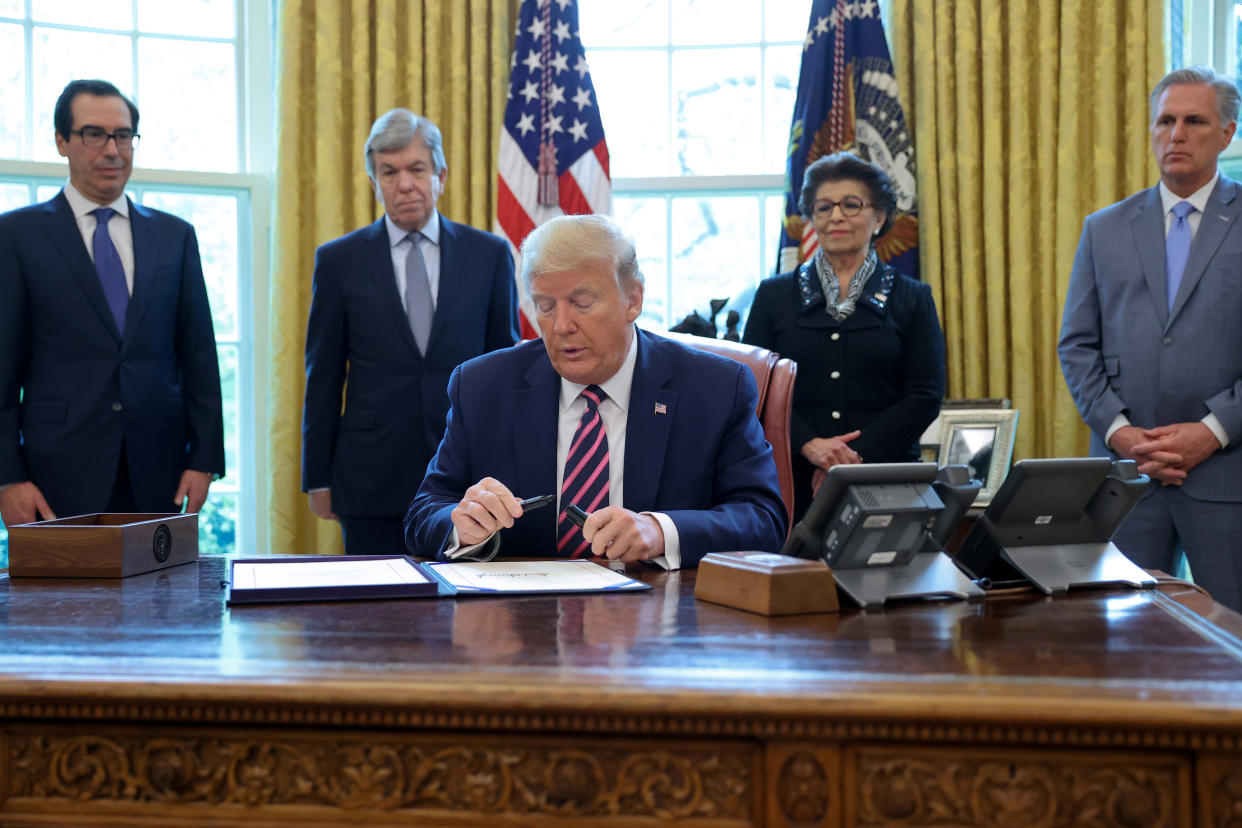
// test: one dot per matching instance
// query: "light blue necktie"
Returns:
(108, 265)
(1177, 249)
(419, 308)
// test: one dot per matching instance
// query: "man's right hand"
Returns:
(321, 504)
(20, 502)
(487, 507)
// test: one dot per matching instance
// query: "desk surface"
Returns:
(147, 701)
(1167, 653)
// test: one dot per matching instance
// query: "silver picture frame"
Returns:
(982, 440)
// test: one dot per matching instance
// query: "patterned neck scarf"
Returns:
(840, 308)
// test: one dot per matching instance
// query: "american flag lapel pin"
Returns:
(661, 408)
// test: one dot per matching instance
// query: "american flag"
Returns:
(553, 158)
(847, 100)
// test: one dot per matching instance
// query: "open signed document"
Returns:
(327, 578)
(534, 576)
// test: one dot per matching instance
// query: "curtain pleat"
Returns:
(1026, 117)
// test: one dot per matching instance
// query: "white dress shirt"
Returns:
(400, 249)
(119, 228)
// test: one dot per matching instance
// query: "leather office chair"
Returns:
(775, 378)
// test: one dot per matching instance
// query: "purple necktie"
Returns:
(586, 473)
(108, 265)
(1177, 249)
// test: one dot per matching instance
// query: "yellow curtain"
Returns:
(342, 63)
(1026, 117)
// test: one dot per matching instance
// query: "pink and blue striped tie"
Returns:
(586, 474)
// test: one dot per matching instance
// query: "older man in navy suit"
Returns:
(109, 382)
(656, 443)
(1151, 342)
(397, 305)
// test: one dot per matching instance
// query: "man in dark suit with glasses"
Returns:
(109, 383)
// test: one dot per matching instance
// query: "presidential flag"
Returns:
(847, 100)
(553, 159)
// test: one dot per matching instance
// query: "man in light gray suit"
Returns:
(1151, 342)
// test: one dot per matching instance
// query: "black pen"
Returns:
(535, 502)
(574, 512)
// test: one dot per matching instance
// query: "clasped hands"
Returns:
(826, 452)
(613, 532)
(1166, 453)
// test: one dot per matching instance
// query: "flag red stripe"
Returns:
(601, 153)
(510, 214)
(573, 202)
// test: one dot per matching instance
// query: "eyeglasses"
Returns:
(93, 136)
(850, 206)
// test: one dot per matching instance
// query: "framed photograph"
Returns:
(981, 439)
(929, 442)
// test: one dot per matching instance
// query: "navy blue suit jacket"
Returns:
(374, 453)
(71, 387)
(703, 460)
(880, 370)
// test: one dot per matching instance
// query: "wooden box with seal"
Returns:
(102, 545)
(766, 583)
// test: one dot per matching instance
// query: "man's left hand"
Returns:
(194, 485)
(622, 535)
(1181, 446)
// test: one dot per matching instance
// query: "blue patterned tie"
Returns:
(108, 265)
(586, 473)
(419, 308)
(1177, 249)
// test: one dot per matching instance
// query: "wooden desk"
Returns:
(148, 702)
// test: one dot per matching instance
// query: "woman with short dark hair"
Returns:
(866, 338)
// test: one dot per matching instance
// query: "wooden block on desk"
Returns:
(765, 583)
(102, 545)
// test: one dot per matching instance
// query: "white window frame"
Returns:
(759, 186)
(1211, 28)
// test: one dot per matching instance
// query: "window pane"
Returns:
(13, 196)
(46, 192)
(200, 18)
(230, 391)
(710, 21)
(646, 222)
(715, 250)
(12, 8)
(785, 19)
(631, 23)
(782, 64)
(13, 81)
(59, 57)
(215, 220)
(773, 221)
(716, 93)
(217, 524)
(632, 90)
(94, 14)
(189, 116)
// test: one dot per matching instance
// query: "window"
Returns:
(198, 160)
(1209, 33)
(696, 104)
